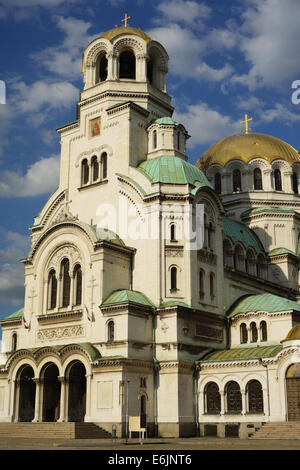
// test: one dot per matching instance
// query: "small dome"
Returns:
(294, 333)
(245, 147)
(172, 170)
(113, 33)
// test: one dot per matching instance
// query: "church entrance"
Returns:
(26, 395)
(77, 392)
(51, 393)
(293, 392)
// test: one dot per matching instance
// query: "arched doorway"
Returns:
(51, 393)
(26, 395)
(77, 392)
(293, 392)
(143, 411)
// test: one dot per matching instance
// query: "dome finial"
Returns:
(246, 123)
(125, 20)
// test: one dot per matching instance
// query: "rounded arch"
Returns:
(212, 398)
(76, 378)
(254, 393)
(239, 257)
(233, 397)
(127, 64)
(51, 392)
(25, 393)
(251, 262)
(129, 43)
(228, 252)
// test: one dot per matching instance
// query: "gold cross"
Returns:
(125, 19)
(246, 123)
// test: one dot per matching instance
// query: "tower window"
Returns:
(243, 333)
(52, 286)
(173, 233)
(218, 184)
(84, 172)
(66, 282)
(103, 69)
(127, 65)
(14, 342)
(104, 165)
(263, 331)
(173, 278)
(95, 168)
(201, 283)
(254, 335)
(236, 180)
(295, 183)
(154, 139)
(257, 179)
(78, 284)
(211, 284)
(111, 331)
(178, 140)
(278, 180)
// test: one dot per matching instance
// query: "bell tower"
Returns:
(126, 62)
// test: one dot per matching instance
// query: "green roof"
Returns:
(125, 296)
(108, 235)
(242, 354)
(281, 251)
(14, 316)
(273, 209)
(174, 303)
(134, 183)
(262, 303)
(172, 170)
(239, 232)
(166, 120)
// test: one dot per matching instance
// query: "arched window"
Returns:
(228, 253)
(277, 180)
(111, 331)
(78, 284)
(257, 178)
(253, 330)
(127, 65)
(218, 183)
(201, 283)
(150, 71)
(66, 282)
(104, 165)
(261, 271)
(233, 398)
(95, 168)
(84, 171)
(236, 180)
(14, 342)
(178, 140)
(295, 183)
(52, 289)
(210, 231)
(173, 278)
(212, 284)
(154, 139)
(255, 397)
(243, 333)
(250, 262)
(239, 258)
(102, 68)
(212, 398)
(263, 331)
(173, 232)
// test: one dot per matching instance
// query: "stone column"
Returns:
(15, 401)
(141, 68)
(244, 403)
(37, 413)
(223, 404)
(62, 414)
(88, 397)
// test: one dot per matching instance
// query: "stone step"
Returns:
(55, 430)
(278, 431)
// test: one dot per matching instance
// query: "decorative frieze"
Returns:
(53, 334)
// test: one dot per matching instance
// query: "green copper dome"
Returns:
(172, 170)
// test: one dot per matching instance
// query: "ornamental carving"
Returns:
(66, 251)
(52, 334)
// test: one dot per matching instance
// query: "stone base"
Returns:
(177, 430)
(234, 429)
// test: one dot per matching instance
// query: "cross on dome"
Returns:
(125, 20)
(246, 123)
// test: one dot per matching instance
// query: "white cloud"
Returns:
(280, 113)
(188, 12)
(270, 43)
(187, 52)
(12, 284)
(65, 59)
(206, 125)
(41, 177)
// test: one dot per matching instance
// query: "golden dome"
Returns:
(294, 333)
(245, 147)
(113, 33)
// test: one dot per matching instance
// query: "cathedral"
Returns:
(125, 313)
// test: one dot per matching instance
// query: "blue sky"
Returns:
(228, 58)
